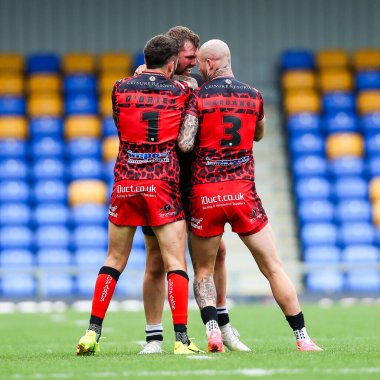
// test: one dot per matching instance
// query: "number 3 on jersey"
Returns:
(232, 125)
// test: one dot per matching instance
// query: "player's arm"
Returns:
(260, 129)
(187, 133)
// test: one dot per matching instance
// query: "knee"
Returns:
(272, 270)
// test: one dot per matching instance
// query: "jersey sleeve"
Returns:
(261, 106)
(115, 108)
(192, 105)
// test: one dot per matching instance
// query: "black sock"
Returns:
(154, 332)
(296, 322)
(223, 317)
(181, 334)
(209, 313)
(96, 325)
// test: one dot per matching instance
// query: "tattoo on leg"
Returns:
(205, 292)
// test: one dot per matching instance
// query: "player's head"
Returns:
(161, 52)
(188, 42)
(214, 59)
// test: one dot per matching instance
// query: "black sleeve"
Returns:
(198, 78)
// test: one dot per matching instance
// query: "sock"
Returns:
(104, 288)
(209, 317)
(223, 317)
(297, 323)
(178, 296)
(154, 332)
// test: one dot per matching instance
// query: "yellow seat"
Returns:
(87, 191)
(116, 61)
(368, 101)
(366, 59)
(82, 126)
(11, 63)
(44, 83)
(328, 59)
(298, 79)
(11, 84)
(302, 101)
(374, 189)
(108, 79)
(13, 127)
(344, 144)
(376, 213)
(335, 80)
(110, 148)
(45, 105)
(105, 105)
(78, 63)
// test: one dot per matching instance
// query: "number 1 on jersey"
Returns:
(152, 118)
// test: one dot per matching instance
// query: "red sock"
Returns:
(104, 288)
(178, 295)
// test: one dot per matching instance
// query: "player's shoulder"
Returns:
(119, 82)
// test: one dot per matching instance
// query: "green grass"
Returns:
(41, 346)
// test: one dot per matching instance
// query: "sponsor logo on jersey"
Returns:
(196, 223)
(205, 200)
(234, 162)
(167, 210)
(112, 211)
(136, 189)
(145, 158)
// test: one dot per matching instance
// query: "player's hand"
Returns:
(192, 82)
(141, 69)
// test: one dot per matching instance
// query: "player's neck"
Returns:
(222, 72)
(159, 71)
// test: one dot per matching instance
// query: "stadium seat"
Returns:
(42, 63)
(376, 213)
(13, 148)
(12, 169)
(84, 147)
(107, 80)
(48, 237)
(325, 282)
(57, 285)
(14, 191)
(90, 258)
(44, 83)
(333, 102)
(370, 123)
(16, 258)
(351, 188)
(78, 63)
(48, 168)
(319, 234)
(130, 284)
(45, 105)
(309, 166)
(360, 254)
(50, 191)
(89, 214)
(339, 122)
(305, 144)
(311, 211)
(366, 59)
(11, 63)
(302, 101)
(90, 237)
(332, 59)
(298, 79)
(54, 258)
(368, 101)
(80, 83)
(363, 281)
(16, 237)
(298, 123)
(357, 233)
(85, 168)
(51, 214)
(344, 144)
(138, 60)
(115, 61)
(372, 144)
(331, 80)
(368, 80)
(13, 127)
(322, 254)
(108, 127)
(136, 261)
(18, 286)
(297, 59)
(374, 189)
(373, 165)
(87, 191)
(354, 210)
(110, 148)
(105, 105)
(109, 171)
(51, 127)
(12, 106)
(310, 188)
(85, 283)
(15, 214)
(82, 126)
(347, 166)
(11, 84)
(47, 147)
(81, 104)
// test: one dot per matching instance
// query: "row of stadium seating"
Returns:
(331, 102)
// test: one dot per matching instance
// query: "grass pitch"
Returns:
(42, 346)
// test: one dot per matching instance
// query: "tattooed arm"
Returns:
(189, 129)
(205, 292)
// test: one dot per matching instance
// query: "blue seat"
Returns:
(18, 286)
(89, 214)
(47, 147)
(138, 239)
(373, 164)
(109, 170)
(85, 283)
(354, 210)
(138, 59)
(297, 59)
(51, 191)
(372, 144)
(319, 233)
(12, 169)
(368, 80)
(312, 188)
(137, 258)
(321, 254)
(90, 257)
(15, 214)
(360, 254)
(48, 237)
(84, 147)
(309, 166)
(129, 284)
(51, 214)
(48, 168)
(12, 105)
(108, 127)
(347, 166)
(334, 102)
(81, 104)
(54, 257)
(350, 187)
(86, 168)
(16, 258)
(307, 144)
(370, 123)
(13, 148)
(327, 281)
(58, 285)
(80, 83)
(304, 123)
(46, 126)
(43, 63)
(16, 237)
(357, 233)
(90, 236)
(315, 211)
(337, 122)
(14, 191)
(363, 281)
